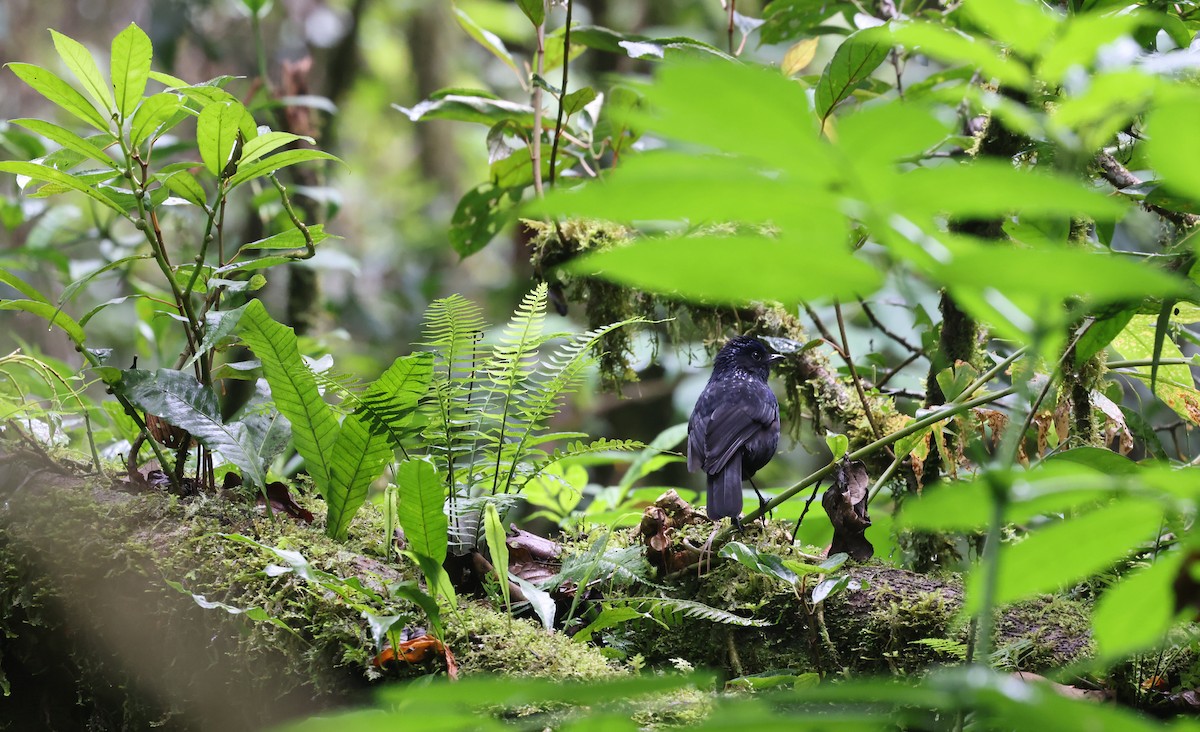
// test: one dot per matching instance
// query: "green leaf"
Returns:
(838, 444)
(577, 100)
(131, 57)
(359, 457)
(1068, 551)
(216, 134)
(948, 507)
(81, 63)
(268, 142)
(852, 62)
(1100, 333)
(294, 389)
(1059, 273)
(66, 180)
(21, 286)
(535, 10)
(1174, 384)
(1136, 613)
(609, 617)
(481, 214)
(389, 402)
(289, 239)
(218, 325)
(61, 93)
(739, 109)
(1080, 42)
(154, 112)
(951, 46)
(760, 562)
(275, 162)
(67, 139)
(182, 401)
(493, 529)
(1173, 147)
(487, 39)
(420, 511)
(734, 270)
(912, 129)
(469, 106)
(49, 313)
(1025, 26)
(987, 188)
(185, 185)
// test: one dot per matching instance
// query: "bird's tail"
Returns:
(725, 490)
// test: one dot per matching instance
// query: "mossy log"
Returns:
(96, 634)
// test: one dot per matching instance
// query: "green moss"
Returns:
(487, 641)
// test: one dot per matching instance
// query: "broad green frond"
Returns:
(670, 610)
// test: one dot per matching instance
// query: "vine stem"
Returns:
(535, 147)
(562, 93)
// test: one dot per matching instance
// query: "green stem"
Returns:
(949, 410)
(991, 571)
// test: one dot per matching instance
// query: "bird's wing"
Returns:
(734, 422)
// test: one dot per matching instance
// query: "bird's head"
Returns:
(746, 354)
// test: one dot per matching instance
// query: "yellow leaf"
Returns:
(798, 56)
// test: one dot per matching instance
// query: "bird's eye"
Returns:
(757, 356)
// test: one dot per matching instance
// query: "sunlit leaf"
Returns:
(81, 63)
(131, 56)
(1080, 546)
(66, 180)
(1025, 26)
(1173, 147)
(1138, 610)
(61, 93)
(952, 46)
(67, 139)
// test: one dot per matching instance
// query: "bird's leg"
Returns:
(762, 502)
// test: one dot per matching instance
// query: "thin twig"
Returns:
(899, 367)
(825, 334)
(535, 147)
(884, 329)
(862, 394)
(562, 93)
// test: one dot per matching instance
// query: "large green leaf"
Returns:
(497, 541)
(734, 108)
(735, 270)
(359, 457)
(1173, 384)
(388, 404)
(535, 10)
(131, 56)
(294, 388)
(419, 511)
(1024, 26)
(182, 401)
(1137, 612)
(61, 93)
(987, 188)
(1174, 146)
(1057, 274)
(81, 63)
(951, 46)
(1068, 551)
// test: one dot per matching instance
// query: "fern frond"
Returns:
(670, 610)
(453, 329)
(945, 646)
(579, 448)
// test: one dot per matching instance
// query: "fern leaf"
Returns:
(314, 426)
(579, 449)
(669, 610)
(388, 404)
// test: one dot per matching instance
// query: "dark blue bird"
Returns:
(734, 429)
